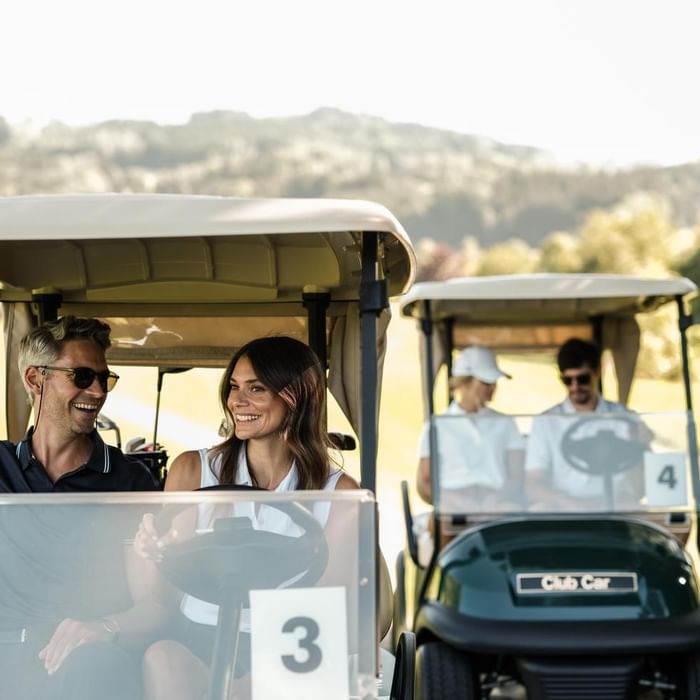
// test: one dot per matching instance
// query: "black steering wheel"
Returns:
(234, 555)
(605, 452)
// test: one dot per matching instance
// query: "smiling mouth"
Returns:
(86, 407)
(246, 418)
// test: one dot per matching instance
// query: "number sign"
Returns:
(299, 644)
(665, 479)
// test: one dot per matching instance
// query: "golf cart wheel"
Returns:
(444, 673)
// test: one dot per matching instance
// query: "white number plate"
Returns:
(665, 479)
(299, 644)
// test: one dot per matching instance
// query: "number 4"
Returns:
(668, 477)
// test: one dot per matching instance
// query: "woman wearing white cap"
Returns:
(480, 451)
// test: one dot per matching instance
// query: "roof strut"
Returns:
(685, 320)
(374, 298)
(316, 304)
(45, 306)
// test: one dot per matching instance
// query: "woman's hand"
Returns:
(148, 543)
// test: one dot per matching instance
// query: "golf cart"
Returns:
(183, 281)
(588, 586)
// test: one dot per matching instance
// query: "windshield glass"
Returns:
(489, 463)
(94, 588)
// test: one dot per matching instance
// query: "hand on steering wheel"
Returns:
(234, 553)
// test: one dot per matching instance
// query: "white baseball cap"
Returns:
(478, 362)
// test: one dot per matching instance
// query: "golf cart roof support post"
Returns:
(428, 328)
(46, 306)
(374, 299)
(316, 304)
(597, 332)
(685, 320)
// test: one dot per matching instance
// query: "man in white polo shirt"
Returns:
(480, 451)
(552, 482)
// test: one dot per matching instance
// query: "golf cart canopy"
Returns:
(185, 280)
(535, 312)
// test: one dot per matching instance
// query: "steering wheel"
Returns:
(235, 555)
(604, 453)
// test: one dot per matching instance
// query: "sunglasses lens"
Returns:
(83, 377)
(111, 380)
(583, 379)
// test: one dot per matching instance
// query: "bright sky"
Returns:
(597, 80)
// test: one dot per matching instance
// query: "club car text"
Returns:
(576, 582)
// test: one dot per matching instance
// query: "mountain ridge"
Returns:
(440, 184)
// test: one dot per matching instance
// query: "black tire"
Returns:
(444, 673)
(403, 682)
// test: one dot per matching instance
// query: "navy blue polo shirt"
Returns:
(107, 469)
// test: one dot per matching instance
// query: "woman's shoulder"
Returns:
(185, 473)
(343, 480)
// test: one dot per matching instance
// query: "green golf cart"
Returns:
(576, 575)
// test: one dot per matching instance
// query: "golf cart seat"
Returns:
(155, 460)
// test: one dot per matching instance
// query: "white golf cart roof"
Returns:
(546, 297)
(184, 280)
(535, 312)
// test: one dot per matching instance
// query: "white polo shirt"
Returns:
(544, 445)
(472, 449)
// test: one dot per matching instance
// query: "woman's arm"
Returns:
(338, 561)
(185, 473)
(423, 483)
(345, 481)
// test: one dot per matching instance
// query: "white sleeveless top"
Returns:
(265, 518)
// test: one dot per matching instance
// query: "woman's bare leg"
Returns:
(172, 672)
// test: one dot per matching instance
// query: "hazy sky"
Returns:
(612, 80)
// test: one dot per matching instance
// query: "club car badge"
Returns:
(576, 582)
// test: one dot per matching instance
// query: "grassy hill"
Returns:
(440, 184)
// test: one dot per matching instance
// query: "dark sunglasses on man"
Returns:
(83, 377)
(582, 379)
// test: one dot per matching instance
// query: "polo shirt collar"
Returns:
(454, 408)
(99, 460)
(602, 406)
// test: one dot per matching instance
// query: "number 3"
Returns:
(313, 651)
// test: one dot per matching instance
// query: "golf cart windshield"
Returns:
(622, 462)
(292, 612)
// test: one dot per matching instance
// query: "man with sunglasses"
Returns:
(552, 483)
(65, 574)
(65, 373)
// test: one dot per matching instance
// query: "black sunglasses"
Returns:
(83, 377)
(583, 379)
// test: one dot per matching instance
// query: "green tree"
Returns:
(508, 258)
(561, 252)
(636, 237)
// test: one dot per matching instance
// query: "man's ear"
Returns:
(34, 379)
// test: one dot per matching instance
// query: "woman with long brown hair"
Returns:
(273, 396)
